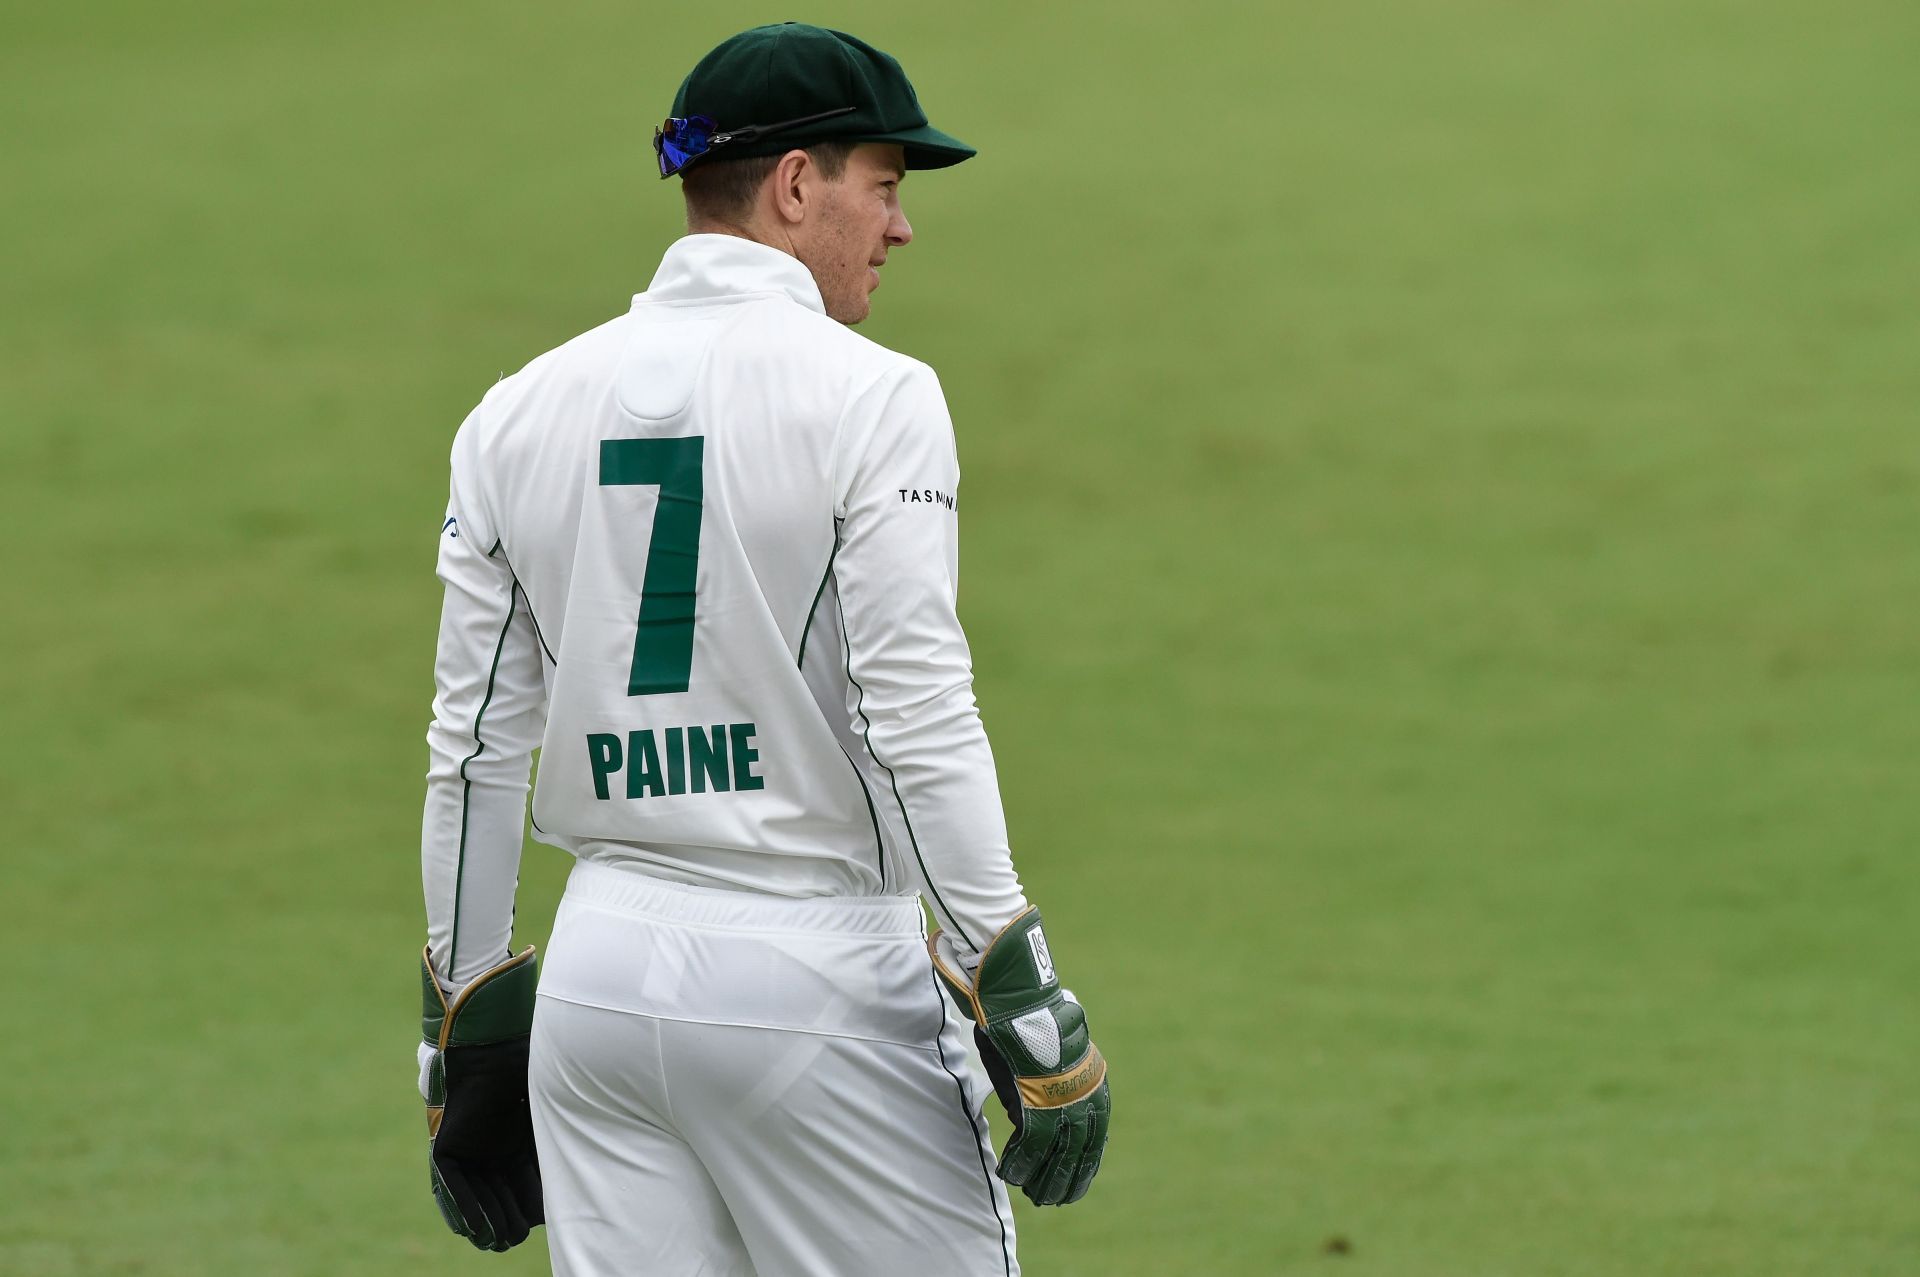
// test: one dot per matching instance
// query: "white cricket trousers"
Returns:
(729, 1084)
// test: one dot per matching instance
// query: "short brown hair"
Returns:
(723, 191)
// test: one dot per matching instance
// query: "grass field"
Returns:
(1442, 554)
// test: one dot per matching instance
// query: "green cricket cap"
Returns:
(791, 71)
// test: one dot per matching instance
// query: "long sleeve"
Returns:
(896, 576)
(489, 711)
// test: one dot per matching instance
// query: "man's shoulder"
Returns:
(548, 381)
(594, 347)
(815, 339)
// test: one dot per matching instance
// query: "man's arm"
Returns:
(489, 710)
(477, 1002)
(896, 576)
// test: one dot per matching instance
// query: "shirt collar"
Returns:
(712, 266)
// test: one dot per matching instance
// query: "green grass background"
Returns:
(1442, 553)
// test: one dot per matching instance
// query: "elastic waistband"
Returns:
(631, 891)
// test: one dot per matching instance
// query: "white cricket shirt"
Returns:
(704, 557)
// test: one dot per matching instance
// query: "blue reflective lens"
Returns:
(678, 142)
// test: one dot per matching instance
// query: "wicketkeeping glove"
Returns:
(474, 1078)
(1046, 1070)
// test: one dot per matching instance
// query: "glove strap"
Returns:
(495, 1006)
(1015, 972)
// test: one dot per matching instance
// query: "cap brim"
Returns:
(927, 147)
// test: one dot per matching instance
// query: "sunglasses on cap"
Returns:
(682, 140)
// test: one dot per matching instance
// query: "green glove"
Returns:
(1045, 1068)
(486, 1177)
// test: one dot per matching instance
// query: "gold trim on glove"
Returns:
(1057, 1090)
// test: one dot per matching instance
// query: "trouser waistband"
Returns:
(632, 891)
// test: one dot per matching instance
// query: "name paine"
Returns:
(676, 760)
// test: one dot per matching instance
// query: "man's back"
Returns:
(730, 524)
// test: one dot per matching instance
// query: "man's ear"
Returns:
(790, 184)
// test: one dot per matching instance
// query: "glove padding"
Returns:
(486, 1177)
(1033, 1039)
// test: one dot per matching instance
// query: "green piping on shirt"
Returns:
(867, 734)
(879, 843)
(466, 785)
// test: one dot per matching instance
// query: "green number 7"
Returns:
(663, 643)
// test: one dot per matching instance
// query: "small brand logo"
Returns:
(451, 527)
(1042, 959)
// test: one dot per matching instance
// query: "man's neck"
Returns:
(740, 232)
